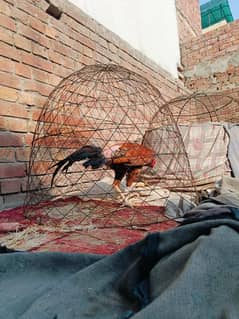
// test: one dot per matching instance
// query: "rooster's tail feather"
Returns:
(93, 155)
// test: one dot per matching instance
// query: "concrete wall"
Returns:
(149, 26)
(211, 61)
(37, 50)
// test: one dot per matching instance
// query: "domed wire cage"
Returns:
(204, 121)
(103, 105)
(206, 107)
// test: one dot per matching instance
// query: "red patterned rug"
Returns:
(74, 225)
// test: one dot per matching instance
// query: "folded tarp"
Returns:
(206, 145)
(198, 158)
(190, 272)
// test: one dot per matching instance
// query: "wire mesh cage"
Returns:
(205, 122)
(205, 107)
(104, 105)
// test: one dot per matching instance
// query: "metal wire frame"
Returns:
(103, 105)
(206, 107)
(203, 107)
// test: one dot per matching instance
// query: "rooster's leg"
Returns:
(116, 186)
(125, 199)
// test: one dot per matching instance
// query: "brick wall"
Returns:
(211, 61)
(36, 52)
(189, 19)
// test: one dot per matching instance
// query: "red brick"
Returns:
(62, 49)
(10, 2)
(40, 167)
(30, 98)
(36, 61)
(42, 88)
(60, 70)
(79, 65)
(54, 79)
(22, 43)
(67, 62)
(86, 41)
(10, 186)
(12, 170)
(30, 85)
(7, 155)
(210, 47)
(189, 22)
(76, 14)
(115, 59)
(39, 50)
(232, 48)
(7, 22)
(69, 42)
(6, 36)
(37, 25)
(58, 25)
(8, 94)
(51, 32)
(55, 57)
(29, 139)
(9, 52)
(24, 184)
(99, 58)
(41, 76)
(27, 98)
(113, 48)
(20, 15)
(101, 41)
(10, 139)
(33, 35)
(75, 25)
(34, 99)
(32, 126)
(31, 9)
(5, 8)
(22, 154)
(39, 100)
(15, 124)
(36, 114)
(88, 52)
(10, 80)
(6, 65)
(78, 48)
(13, 109)
(23, 70)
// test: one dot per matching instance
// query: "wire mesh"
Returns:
(199, 116)
(205, 107)
(103, 105)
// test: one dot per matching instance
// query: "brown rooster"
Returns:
(125, 159)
